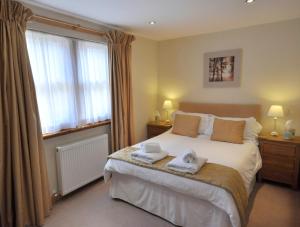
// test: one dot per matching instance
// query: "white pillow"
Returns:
(252, 127)
(206, 124)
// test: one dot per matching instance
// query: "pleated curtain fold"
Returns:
(119, 52)
(24, 191)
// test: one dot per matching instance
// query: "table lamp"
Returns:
(275, 111)
(167, 106)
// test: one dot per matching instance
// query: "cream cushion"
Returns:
(207, 121)
(252, 127)
(228, 131)
(186, 125)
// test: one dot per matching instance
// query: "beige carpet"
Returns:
(91, 206)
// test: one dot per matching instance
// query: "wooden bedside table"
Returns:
(280, 159)
(156, 128)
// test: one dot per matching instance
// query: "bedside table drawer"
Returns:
(279, 162)
(280, 159)
(277, 175)
(156, 130)
(278, 149)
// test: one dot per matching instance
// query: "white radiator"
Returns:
(81, 162)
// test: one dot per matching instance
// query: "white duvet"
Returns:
(245, 158)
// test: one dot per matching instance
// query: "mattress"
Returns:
(245, 158)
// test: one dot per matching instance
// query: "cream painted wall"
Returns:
(144, 83)
(270, 68)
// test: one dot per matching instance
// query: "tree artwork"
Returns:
(221, 69)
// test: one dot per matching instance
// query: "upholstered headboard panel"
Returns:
(223, 110)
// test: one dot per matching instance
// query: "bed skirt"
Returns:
(177, 208)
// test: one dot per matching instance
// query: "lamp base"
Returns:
(274, 133)
(168, 122)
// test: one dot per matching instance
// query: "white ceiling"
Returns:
(177, 18)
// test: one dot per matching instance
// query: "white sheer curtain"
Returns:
(51, 63)
(93, 82)
(71, 79)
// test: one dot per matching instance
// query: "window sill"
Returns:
(72, 130)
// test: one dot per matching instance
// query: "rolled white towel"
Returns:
(177, 164)
(148, 158)
(151, 147)
(189, 156)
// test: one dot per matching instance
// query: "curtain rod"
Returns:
(66, 25)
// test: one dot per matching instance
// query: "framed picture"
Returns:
(222, 68)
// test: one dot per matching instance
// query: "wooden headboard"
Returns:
(223, 110)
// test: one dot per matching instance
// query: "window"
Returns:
(71, 80)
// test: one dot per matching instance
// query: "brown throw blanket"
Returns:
(210, 173)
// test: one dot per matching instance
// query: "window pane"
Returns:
(93, 82)
(51, 63)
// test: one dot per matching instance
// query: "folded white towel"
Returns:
(148, 158)
(151, 147)
(189, 156)
(177, 164)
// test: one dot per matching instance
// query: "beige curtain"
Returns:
(24, 193)
(119, 49)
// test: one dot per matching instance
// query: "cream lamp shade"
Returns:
(167, 105)
(275, 111)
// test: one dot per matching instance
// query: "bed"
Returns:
(182, 201)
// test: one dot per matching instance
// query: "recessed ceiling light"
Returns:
(152, 22)
(249, 1)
